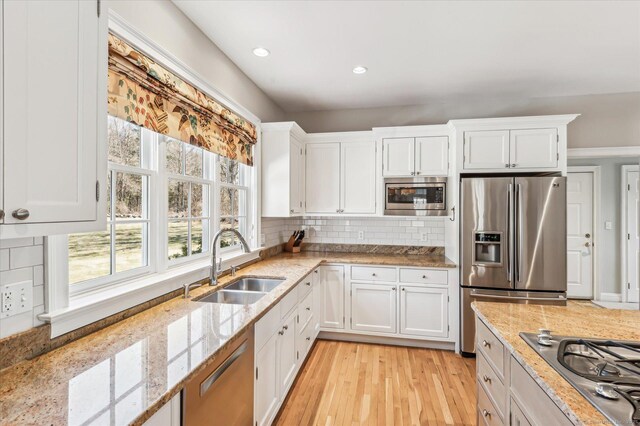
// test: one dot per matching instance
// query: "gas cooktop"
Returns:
(605, 372)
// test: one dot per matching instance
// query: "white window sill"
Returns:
(93, 306)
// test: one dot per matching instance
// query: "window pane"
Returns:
(174, 155)
(89, 256)
(197, 237)
(129, 195)
(228, 240)
(178, 239)
(178, 199)
(109, 195)
(194, 161)
(129, 246)
(124, 142)
(227, 198)
(198, 194)
(229, 171)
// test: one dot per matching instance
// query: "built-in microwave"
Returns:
(419, 196)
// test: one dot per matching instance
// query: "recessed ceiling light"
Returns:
(261, 52)
(359, 70)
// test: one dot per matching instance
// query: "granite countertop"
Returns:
(507, 320)
(124, 373)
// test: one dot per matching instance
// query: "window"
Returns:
(166, 199)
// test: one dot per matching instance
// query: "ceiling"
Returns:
(423, 52)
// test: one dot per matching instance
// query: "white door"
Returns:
(398, 157)
(51, 59)
(266, 382)
(286, 342)
(486, 149)
(358, 177)
(323, 178)
(534, 149)
(332, 285)
(432, 156)
(424, 311)
(296, 170)
(633, 237)
(579, 235)
(373, 307)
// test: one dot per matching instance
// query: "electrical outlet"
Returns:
(424, 236)
(608, 225)
(361, 235)
(16, 298)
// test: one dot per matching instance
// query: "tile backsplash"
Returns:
(406, 231)
(22, 259)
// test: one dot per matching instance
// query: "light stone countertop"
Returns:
(507, 320)
(124, 373)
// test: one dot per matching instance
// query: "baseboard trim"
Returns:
(393, 341)
(611, 297)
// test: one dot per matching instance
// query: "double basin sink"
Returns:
(245, 291)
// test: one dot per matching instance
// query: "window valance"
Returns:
(147, 94)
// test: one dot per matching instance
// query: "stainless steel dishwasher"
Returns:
(222, 394)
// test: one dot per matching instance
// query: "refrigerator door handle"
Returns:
(510, 231)
(518, 248)
(493, 296)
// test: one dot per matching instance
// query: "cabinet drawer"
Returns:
(304, 311)
(304, 287)
(372, 273)
(492, 384)
(288, 302)
(487, 412)
(491, 348)
(423, 276)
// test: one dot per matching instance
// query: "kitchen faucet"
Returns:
(215, 266)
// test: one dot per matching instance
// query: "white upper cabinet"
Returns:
(398, 157)
(323, 178)
(54, 115)
(358, 177)
(486, 150)
(424, 156)
(283, 169)
(432, 156)
(534, 148)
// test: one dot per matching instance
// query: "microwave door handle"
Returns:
(510, 232)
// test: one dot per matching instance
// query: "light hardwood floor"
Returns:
(363, 384)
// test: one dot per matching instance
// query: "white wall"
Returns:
(162, 22)
(22, 259)
(608, 241)
(606, 120)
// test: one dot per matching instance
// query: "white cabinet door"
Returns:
(432, 156)
(317, 303)
(358, 177)
(296, 183)
(168, 415)
(266, 392)
(534, 149)
(332, 286)
(424, 311)
(51, 62)
(373, 307)
(517, 417)
(486, 150)
(323, 178)
(287, 363)
(398, 157)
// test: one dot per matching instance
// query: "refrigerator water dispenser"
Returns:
(487, 249)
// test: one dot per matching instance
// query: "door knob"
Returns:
(20, 214)
(587, 235)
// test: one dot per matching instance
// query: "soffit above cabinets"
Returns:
(425, 52)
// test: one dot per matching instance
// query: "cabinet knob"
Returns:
(424, 277)
(514, 165)
(373, 275)
(486, 344)
(20, 214)
(308, 308)
(285, 327)
(309, 283)
(338, 211)
(308, 338)
(402, 288)
(486, 414)
(507, 166)
(281, 332)
(394, 289)
(486, 379)
(417, 173)
(1, 214)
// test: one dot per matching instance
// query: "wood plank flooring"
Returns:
(363, 384)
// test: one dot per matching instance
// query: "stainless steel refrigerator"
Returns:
(513, 244)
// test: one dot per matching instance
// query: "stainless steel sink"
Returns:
(262, 285)
(233, 297)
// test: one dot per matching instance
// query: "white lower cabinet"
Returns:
(373, 307)
(517, 417)
(265, 389)
(332, 289)
(286, 350)
(168, 415)
(424, 311)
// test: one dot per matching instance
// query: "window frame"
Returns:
(248, 178)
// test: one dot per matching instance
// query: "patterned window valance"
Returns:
(145, 93)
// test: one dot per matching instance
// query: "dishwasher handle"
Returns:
(211, 379)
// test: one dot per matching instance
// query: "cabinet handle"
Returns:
(20, 214)
(338, 211)
(513, 165)
(507, 166)
(308, 308)
(1, 214)
(281, 332)
(285, 327)
(486, 379)
(309, 283)
(486, 414)
(308, 338)
(486, 344)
